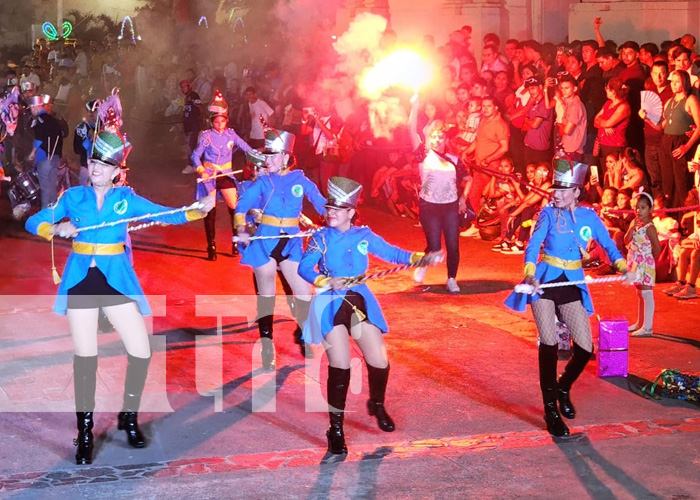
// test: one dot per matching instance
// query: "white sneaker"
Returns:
(452, 286)
(633, 328)
(501, 245)
(189, 169)
(470, 232)
(419, 274)
(514, 249)
(677, 287)
(642, 332)
(687, 292)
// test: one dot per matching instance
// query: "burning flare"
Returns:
(402, 68)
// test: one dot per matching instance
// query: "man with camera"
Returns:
(322, 126)
(571, 120)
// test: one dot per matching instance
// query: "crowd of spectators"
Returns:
(504, 118)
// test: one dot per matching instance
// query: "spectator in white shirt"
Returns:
(258, 108)
(28, 75)
(81, 63)
(491, 61)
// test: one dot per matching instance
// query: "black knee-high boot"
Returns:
(84, 381)
(378, 378)
(337, 391)
(548, 383)
(234, 232)
(136, 371)
(301, 311)
(266, 306)
(573, 369)
(210, 231)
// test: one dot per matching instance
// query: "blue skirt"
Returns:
(326, 305)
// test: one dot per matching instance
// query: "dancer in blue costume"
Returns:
(564, 229)
(278, 192)
(99, 274)
(214, 156)
(337, 252)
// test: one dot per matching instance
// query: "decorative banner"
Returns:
(134, 37)
(50, 30)
(203, 19)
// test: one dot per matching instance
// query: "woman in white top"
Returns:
(439, 201)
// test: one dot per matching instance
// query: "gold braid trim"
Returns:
(530, 269)
(416, 257)
(621, 265)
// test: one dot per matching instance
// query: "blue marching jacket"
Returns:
(79, 204)
(280, 197)
(332, 253)
(214, 152)
(563, 239)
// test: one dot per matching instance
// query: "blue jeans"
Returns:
(47, 171)
(440, 219)
(652, 160)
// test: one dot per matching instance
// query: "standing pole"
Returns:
(59, 13)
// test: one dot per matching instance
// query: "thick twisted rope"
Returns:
(194, 206)
(225, 174)
(358, 280)
(304, 234)
(131, 229)
(529, 289)
(620, 211)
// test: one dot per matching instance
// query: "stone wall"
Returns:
(642, 21)
(545, 20)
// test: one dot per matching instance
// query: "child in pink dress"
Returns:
(643, 244)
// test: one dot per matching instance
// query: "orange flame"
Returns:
(402, 68)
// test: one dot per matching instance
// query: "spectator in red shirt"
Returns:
(613, 119)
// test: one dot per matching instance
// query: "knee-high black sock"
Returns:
(136, 372)
(84, 382)
(210, 226)
(266, 307)
(378, 378)
(301, 311)
(574, 367)
(231, 213)
(337, 392)
(547, 357)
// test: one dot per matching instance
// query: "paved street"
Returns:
(463, 387)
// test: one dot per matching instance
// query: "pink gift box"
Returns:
(613, 334)
(613, 342)
(612, 363)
